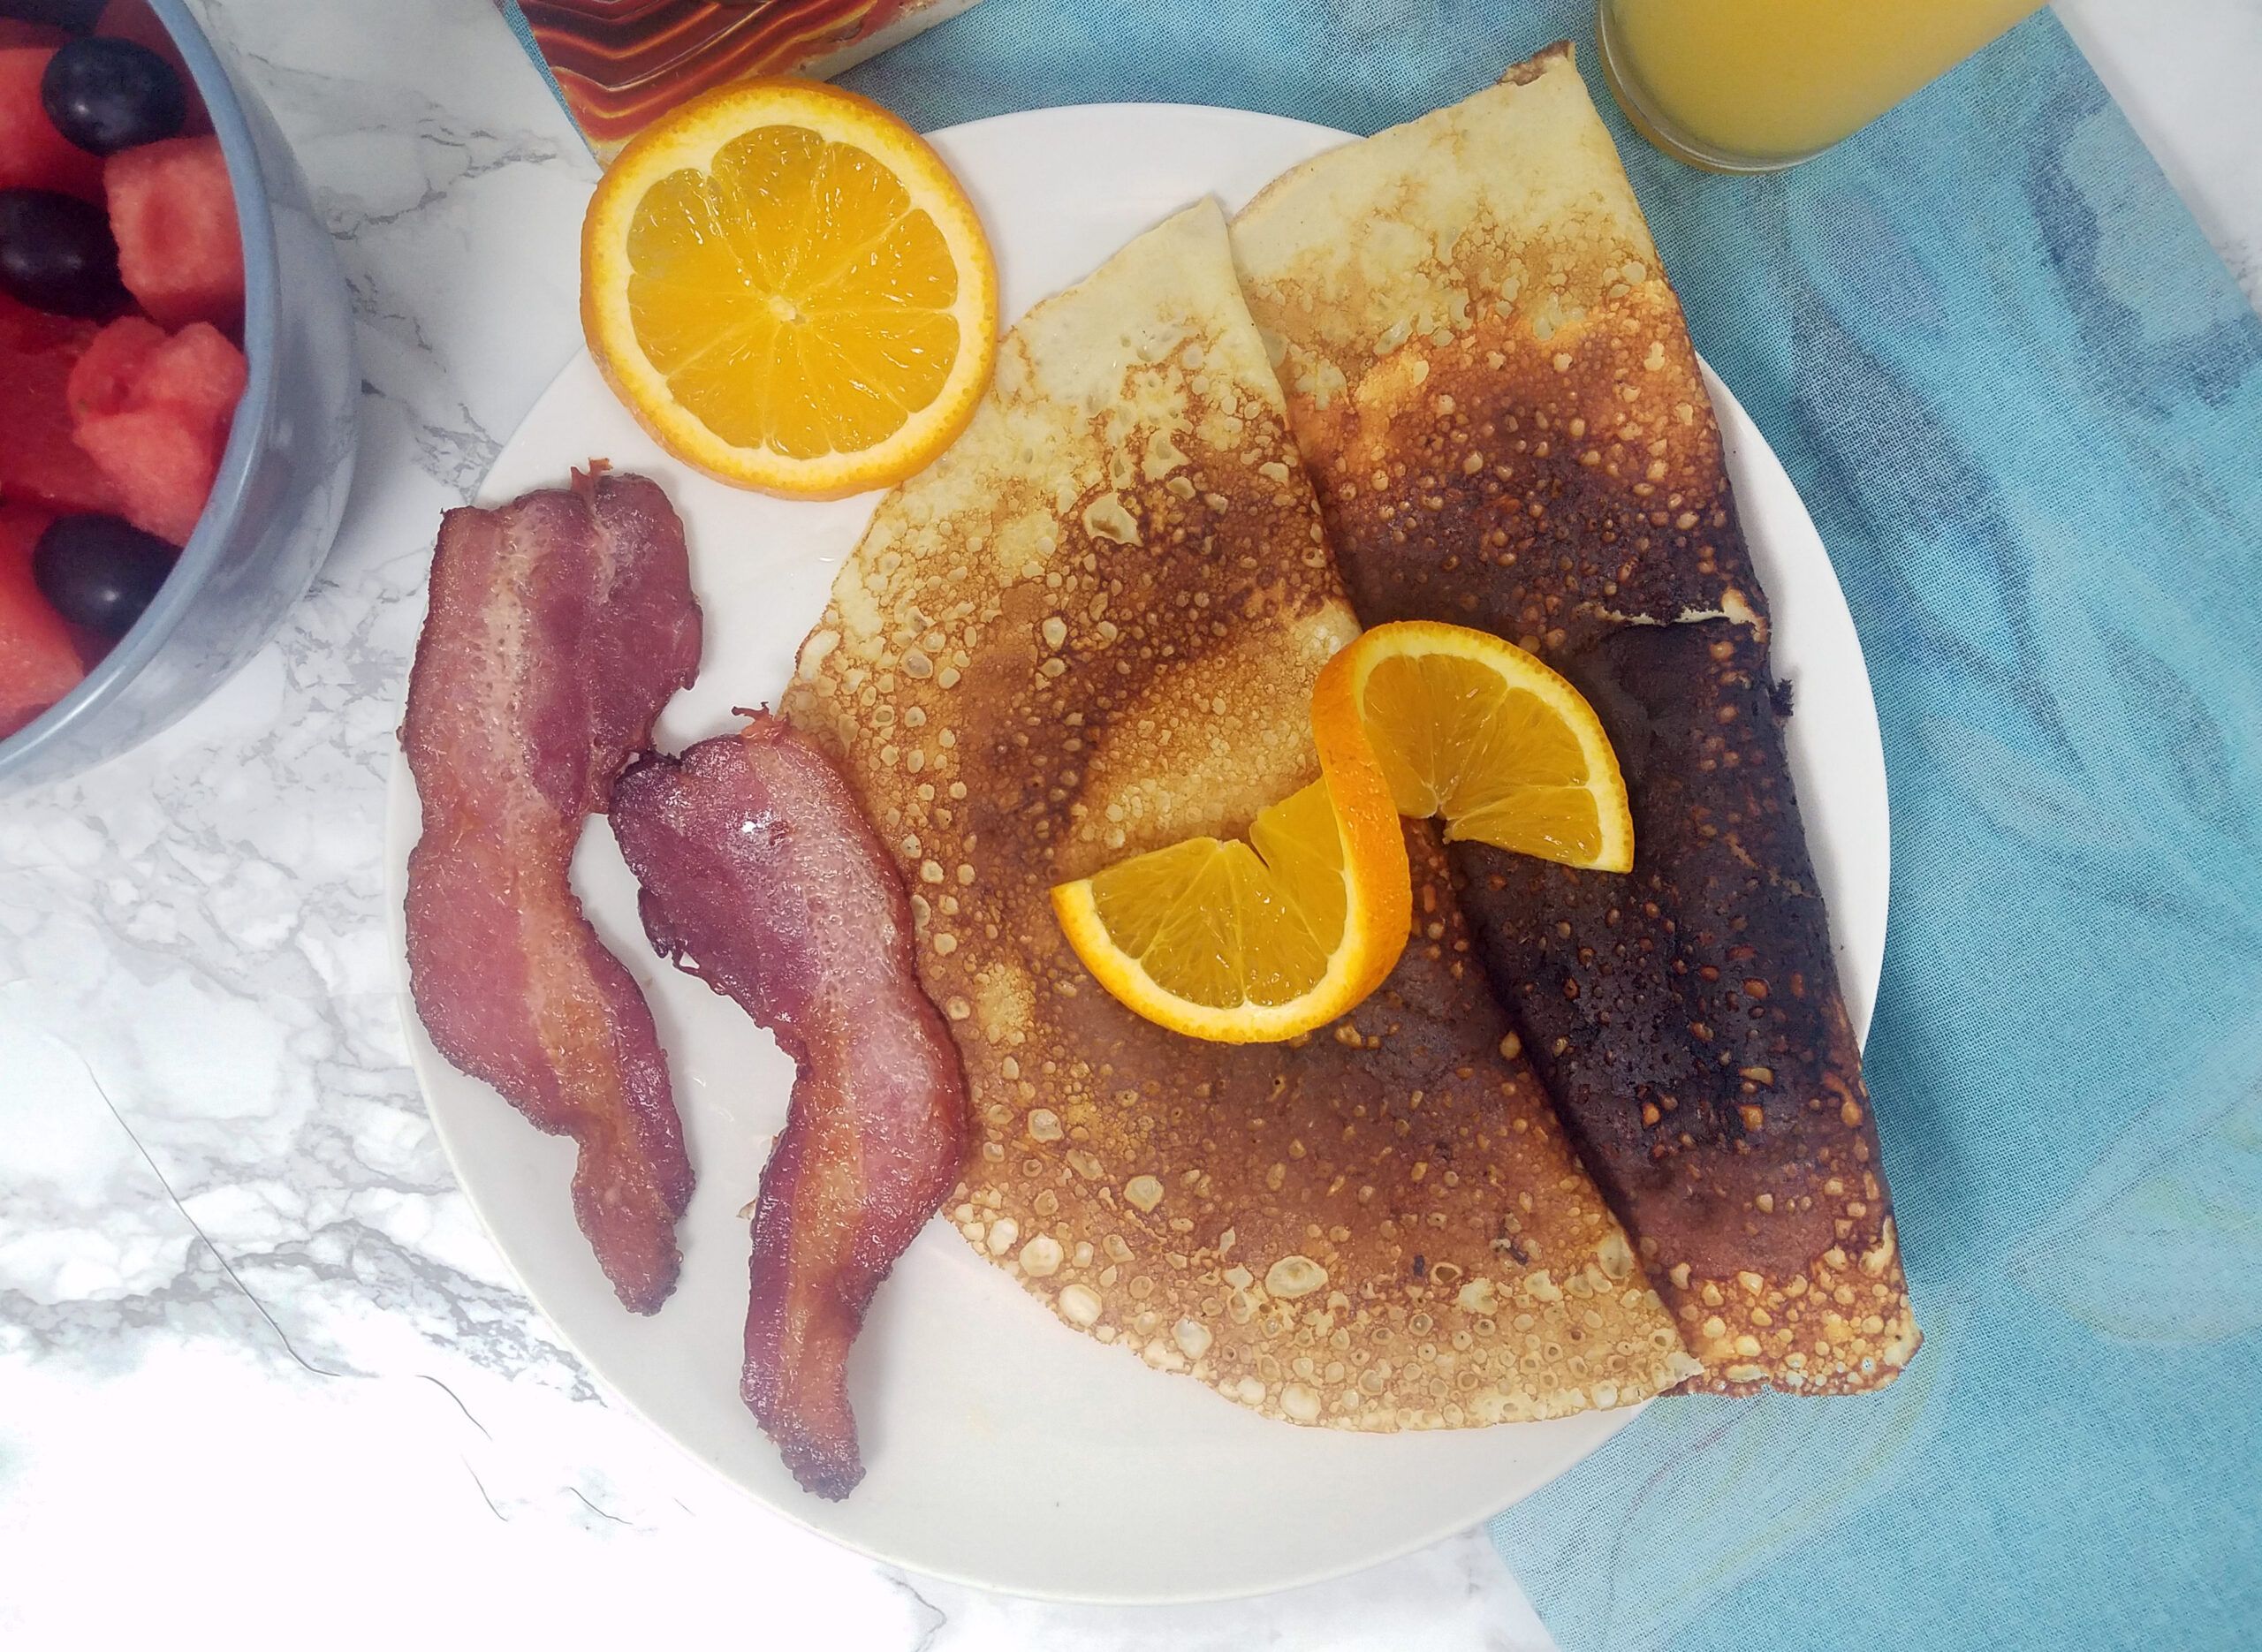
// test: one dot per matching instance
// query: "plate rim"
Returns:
(403, 823)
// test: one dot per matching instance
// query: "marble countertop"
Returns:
(252, 1339)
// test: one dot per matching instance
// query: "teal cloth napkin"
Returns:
(2023, 401)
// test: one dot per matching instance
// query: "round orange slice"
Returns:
(788, 289)
(1475, 729)
(1257, 941)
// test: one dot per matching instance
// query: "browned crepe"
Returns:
(1091, 630)
(1490, 380)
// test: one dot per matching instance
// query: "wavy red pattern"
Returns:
(622, 63)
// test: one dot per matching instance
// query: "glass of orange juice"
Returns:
(1753, 85)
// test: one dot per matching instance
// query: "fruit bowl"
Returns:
(282, 480)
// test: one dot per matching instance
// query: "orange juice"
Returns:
(1752, 85)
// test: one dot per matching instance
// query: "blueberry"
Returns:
(108, 94)
(56, 253)
(100, 573)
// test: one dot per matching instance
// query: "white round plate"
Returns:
(1003, 1449)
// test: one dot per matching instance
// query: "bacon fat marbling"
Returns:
(762, 877)
(559, 626)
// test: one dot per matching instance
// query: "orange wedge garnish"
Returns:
(1258, 941)
(1473, 729)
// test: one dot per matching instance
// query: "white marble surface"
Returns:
(260, 1370)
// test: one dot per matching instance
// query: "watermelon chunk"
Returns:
(198, 371)
(34, 155)
(39, 462)
(173, 216)
(39, 663)
(153, 413)
(160, 463)
(106, 373)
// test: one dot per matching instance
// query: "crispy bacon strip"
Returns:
(559, 626)
(762, 877)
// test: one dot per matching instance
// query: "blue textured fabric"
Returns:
(2023, 402)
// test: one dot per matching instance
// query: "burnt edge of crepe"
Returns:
(1550, 469)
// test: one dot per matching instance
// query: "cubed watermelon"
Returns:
(39, 462)
(173, 215)
(34, 155)
(39, 664)
(153, 412)
(161, 461)
(106, 375)
(198, 371)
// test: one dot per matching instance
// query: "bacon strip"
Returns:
(559, 626)
(762, 877)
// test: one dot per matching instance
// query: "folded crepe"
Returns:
(1493, 386)
(1091, 630)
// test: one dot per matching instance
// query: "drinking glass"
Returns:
(1754, 86)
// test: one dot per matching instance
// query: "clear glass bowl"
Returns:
(282, 480)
